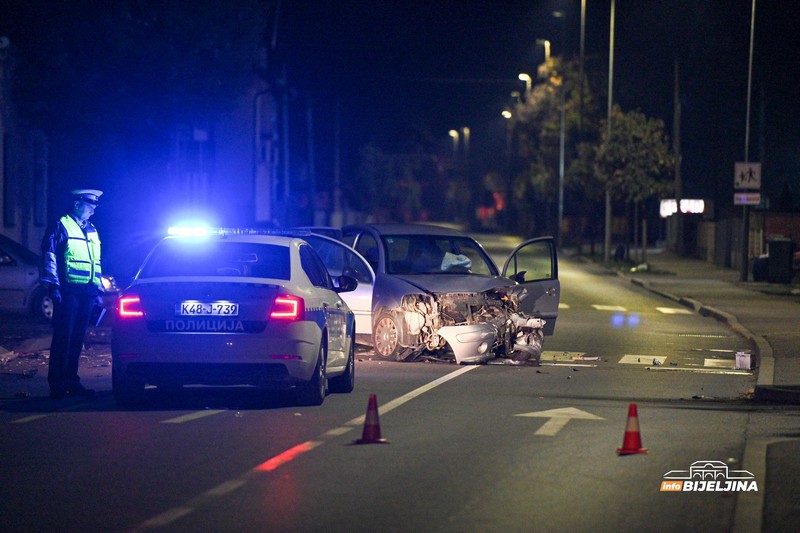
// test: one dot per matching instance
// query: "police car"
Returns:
(233, 307)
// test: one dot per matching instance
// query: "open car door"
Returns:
(341, 259)
(534, 264)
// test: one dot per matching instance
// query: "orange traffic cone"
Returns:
(632, 443)
(372, 425)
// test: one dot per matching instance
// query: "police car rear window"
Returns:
(200, 257)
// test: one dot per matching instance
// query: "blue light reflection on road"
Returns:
(621, 320)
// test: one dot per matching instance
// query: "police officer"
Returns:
(71, 270)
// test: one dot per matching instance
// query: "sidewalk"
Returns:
(767, 314)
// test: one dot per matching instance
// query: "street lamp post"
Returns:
(745, 212)
(528, 81)
(562, 134)
(607, 236)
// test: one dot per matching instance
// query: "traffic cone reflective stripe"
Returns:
(372, 425)
(632, 442)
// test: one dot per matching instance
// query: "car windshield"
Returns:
(16, 248)
(435, 254)
(202, 257)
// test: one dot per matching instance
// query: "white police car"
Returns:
(234, 307)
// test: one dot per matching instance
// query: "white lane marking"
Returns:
(551, 355)
(719, 363)
(193, 416)
(609, 308)
(563, 306)
(226, 487)
(67, 409)
(397, 402)
(702, 370)
(28, 419)
(675, 311)
(584, 365)
(558, 418)
(335, 432)
(168, 517)
(642, 359)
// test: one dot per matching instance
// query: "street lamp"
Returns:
(546, 44)
(454, 135)
(528, 81)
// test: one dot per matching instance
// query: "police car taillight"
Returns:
(288, 308)
(130, 307)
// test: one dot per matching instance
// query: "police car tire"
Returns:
(314, 390)
(346, 382)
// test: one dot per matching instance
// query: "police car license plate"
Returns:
(194, 308)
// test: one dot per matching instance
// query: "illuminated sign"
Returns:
(670, 206)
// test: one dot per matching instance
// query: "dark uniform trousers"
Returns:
(70, 320)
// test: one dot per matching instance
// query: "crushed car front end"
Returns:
(476, 326)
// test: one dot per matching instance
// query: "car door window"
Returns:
(340, 260)
(534, 261)
(314, 268)
(368, 248)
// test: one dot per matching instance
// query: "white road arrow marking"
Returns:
(558, 419)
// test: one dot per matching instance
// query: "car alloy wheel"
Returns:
(385, 336)
(42, 306)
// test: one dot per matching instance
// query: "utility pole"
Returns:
(676, 146)
(607, 239)
(745, 212)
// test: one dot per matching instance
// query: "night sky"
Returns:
(401, 71)
(446, 64)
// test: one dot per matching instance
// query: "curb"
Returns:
(765, 389)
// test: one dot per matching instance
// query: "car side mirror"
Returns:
(346, 283)
(519, 277)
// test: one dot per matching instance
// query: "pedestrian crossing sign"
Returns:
(747, 176)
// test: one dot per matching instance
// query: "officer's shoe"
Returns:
(80, 390)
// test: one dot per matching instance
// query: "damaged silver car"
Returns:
(436, 290)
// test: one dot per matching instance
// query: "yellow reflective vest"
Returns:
(82, 256)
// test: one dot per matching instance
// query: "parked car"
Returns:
(20, 290)
(426, 288)
(234, 307)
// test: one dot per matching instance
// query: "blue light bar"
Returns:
(189, 231)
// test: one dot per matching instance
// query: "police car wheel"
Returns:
(313, 392)
(346, 382)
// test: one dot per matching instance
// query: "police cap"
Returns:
(91, 196)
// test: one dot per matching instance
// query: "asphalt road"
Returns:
(489, 448)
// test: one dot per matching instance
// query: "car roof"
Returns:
(408, 229)
(284, 240)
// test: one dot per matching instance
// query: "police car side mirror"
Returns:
(519, 277)
(346, 283)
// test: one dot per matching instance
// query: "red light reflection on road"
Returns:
(288, 455)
